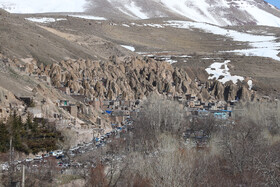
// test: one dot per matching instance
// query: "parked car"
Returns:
(59, 152)
(59, 156)
(4, 167)
(46, 155)
(28, 159)
(98, 145)
(52, 153)
(38, 157)
(60, 163)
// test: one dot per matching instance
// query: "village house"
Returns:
(81, 98)
(27, 100)
(106, 103)
(4, 113)
(116, 103)
(63, 103)
(35, 112)
(72, 109)
(45, 78)
(120, 113)
(64, 90)
(188, 97)
(57, 116)
(197, 103)
(99, 121)
(125, 103)
(191, 104)
(116, 119)
(96, 103)
(178, 98)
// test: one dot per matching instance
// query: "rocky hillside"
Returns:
(21, 38)
(133, 78)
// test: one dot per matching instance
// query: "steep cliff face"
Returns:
(131, 77)
(134, 78)
(229, 91)
(127, 77)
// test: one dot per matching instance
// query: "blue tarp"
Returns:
(109, 112)
(220, 115)
(226, 111)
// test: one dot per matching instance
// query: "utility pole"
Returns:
(11, 159)
(23, 176)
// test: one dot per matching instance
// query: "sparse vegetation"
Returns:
(156, 154)
(29, 136)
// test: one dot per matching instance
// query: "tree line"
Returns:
(237, 152)
(31, 136)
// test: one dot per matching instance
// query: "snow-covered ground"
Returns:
(261, 45)
(45, 19)
(43, 6)
(193, 9)
(220, 72)
(88, 17)
(262, 17)
(128, 47)
(135, 10)
(218, 12)
(250, 84)
(125, 25)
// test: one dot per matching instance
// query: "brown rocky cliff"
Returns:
(135, 78)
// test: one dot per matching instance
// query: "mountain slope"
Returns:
(218, 12)
(23, 39)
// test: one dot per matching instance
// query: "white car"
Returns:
(59, 152)
(29, 159)
(4, 167)
(46, 155)
(38, 157)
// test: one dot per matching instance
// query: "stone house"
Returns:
(188, 97)
(96, 103)
(72, 109)
(65, 90)
(45, 78)
(35, 112)
(4, 113)
(64, 102)
(27, 100)
(116, 119)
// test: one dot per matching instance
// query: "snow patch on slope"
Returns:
(137, 11)
(262, 46)
(195, 10)
(262, 17)
(129, 8)
(88, 17)
(250, 84)
(45, 20)
(128, 47)
(220, 72)
(215, 12)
